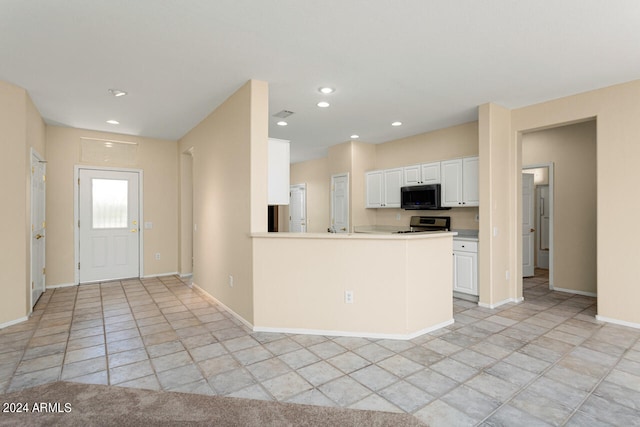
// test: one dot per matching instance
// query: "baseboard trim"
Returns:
(185, 275)
(498, 304)
(217, 302)
(14, 322)
(617, 322)
(151, 276)
(334, 333)
(573, 291)
(61, 285)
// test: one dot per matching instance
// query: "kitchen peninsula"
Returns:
(371, 285)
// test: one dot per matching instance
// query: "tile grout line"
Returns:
(26, 347)
(600, 381)
(542, 373)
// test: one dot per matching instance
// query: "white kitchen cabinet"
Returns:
(426, 173)
(278, 172)
(383, 188)
(460, 182)
(465, 267)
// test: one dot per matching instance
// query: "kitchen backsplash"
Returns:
(461, 218)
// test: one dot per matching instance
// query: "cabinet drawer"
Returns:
(465, 246)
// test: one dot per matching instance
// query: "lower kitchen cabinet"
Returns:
(465, 266)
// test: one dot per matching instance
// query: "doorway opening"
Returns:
(187, 225)
(298, 208)
(340, 203)
(568, 152)
(537, 222)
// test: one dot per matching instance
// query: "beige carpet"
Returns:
(100, 405)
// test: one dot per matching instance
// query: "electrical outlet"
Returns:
(348, 297)
(507, 275)
(398, 217)
(157, 256)
(230, 281)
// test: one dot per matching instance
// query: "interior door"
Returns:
(38, 225)
(528, 230)
(109, 225)
(298, 208)
(340, 203)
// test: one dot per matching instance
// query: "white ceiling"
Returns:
(426, 63)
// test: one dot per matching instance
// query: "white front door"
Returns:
(528, 230)
(340, 203)
(298, 208)
(109, 225)
(38, 196)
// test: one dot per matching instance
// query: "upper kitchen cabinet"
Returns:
(427, 173)
(383, 188)
(278, 173)
(460, 182)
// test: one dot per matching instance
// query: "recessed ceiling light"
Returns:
(396, 124)
(113, 122)
(355, 136)
(282, 123)
(323, 104)
(117, 92)
(326, 90)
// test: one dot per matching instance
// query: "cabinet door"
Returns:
(466, 267)
(374, 189)
(451, 188)
(430, 173)
(470, 193)
(412, 175)
(278, 172)
(392, 183)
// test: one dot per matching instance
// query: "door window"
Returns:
(110, 203)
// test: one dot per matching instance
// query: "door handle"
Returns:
(134, 230)
(343, 229)
(39, 236)
(532, 230)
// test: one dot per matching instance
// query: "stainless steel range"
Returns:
(423, 224)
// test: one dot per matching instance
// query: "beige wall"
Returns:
(14, 278)
(229, 194)
(496, 252)
(295, 291)
(159, 163)
(572, 150)
(616, 110)
(22, 129)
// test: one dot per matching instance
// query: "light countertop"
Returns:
(469, 235)
(356, 236)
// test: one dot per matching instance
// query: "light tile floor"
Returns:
(546, 361)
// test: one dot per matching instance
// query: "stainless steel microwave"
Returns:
(421, 197)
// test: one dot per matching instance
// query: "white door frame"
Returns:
(549, 166)
(35, 156)
(76, 214)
